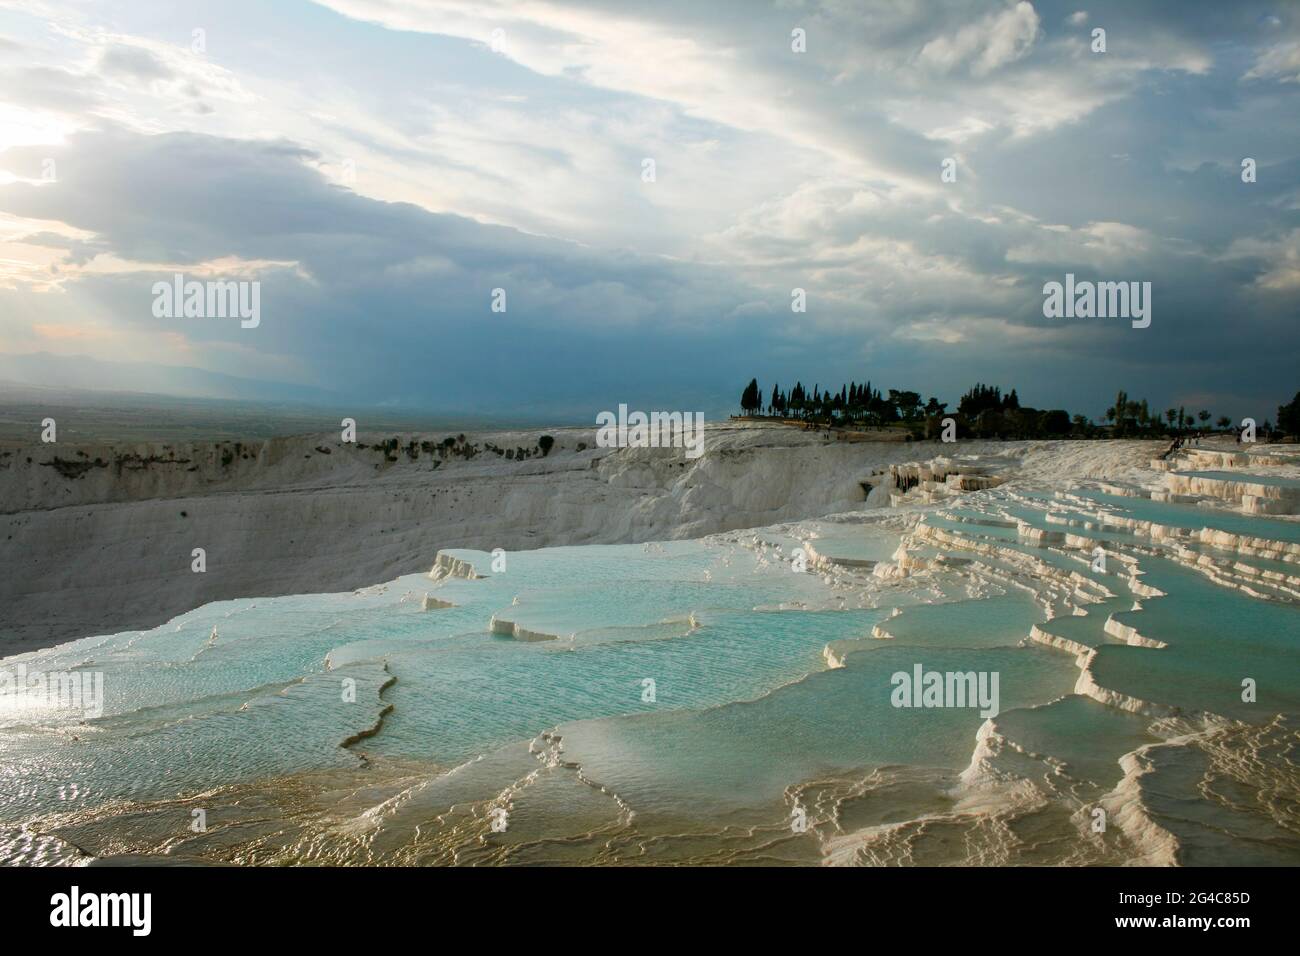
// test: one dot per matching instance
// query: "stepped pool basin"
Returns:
(707, 702)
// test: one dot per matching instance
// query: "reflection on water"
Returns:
(700, 701)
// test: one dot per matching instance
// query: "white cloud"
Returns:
(1280, 61)
(775, 169)
(1097, 244)
(1280, 257)
(987, 45)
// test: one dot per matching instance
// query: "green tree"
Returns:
(1288, 417)
(907, 403)
(1055, 422)
(1121, 412)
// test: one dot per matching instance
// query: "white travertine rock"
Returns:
(92, 548)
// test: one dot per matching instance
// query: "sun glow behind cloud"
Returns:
(519, 155)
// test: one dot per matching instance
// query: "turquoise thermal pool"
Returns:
(706, 701)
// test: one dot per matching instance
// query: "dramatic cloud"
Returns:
(648, 185)
(984, 46)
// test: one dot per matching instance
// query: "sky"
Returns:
(381, 167)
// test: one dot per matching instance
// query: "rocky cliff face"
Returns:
(96, 539)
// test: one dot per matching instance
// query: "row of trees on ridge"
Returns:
(984, 411)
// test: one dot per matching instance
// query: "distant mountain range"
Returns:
(42, 369)
(564, 399)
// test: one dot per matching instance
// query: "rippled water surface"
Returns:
(701, 701)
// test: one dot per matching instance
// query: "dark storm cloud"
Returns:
(1116, 166)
